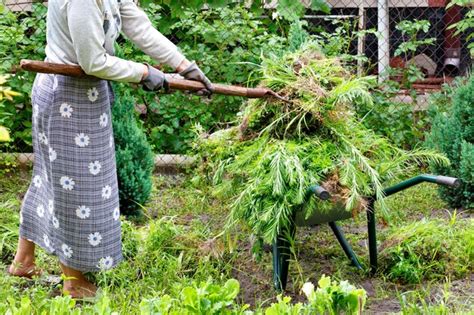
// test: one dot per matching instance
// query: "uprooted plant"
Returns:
(279, 148)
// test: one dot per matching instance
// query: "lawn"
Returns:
(181, 244)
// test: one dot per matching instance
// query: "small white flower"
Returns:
(106, 192)
(52, 155)
(51, 206)
(82, 140)
(308, 289)
(116, 214)
(46, 240)
(95, 238)
(66, 110)
(106, 263)
(40, 211)
(42, 138)
(83, 212)
(37, 181)
(94, 167)
(55, 222)
(67, 183)
(103, 120)
(93, 94)
(55, 83)
(67, 251)
(111, 141)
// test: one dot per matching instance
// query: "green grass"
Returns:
(180, 245)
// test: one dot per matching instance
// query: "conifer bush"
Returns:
(453, 134)
(134, 156)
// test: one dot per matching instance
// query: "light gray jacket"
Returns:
(83, 32)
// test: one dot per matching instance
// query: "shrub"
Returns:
(22, 36)
(453, 134)
(429, 249)
(134, 156)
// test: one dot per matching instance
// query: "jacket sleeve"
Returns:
(85, 23)
(137, 27)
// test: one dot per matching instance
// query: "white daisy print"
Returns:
(37, 181)
(103, 120)
(40, 211)
(52, 155)
(106, 192)
(95, 238)
(106, 263)
(83, 212)
(116, 214)
(94, 167)
(93, 94)
(46, 240)
(51, 206)
(42, 138)
(82, 140)
(55, 83)
(55, 222)
(67, 251)
(66, 110)
(67, 183)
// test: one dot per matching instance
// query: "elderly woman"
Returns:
(71, 208)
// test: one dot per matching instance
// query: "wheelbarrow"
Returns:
(281, 245)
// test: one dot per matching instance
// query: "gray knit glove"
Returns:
(195, 74)
(155, 80)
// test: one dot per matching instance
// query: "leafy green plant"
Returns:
(281, 148)
(22, 36)
(134, 157)
(466, 24)
(453, 134)
(429, 249)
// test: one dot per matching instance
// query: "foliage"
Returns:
(466, 24)
(134, 157)
(281, 148)
(22, 36)
(429, 249)
(226, 42)
(6, 94)
(453, 134)
(290, 10)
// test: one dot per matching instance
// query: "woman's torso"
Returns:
(59, 48)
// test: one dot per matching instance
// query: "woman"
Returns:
(71, 208)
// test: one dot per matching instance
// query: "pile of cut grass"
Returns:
(267, 162)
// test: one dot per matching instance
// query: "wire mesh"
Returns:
(446, 56)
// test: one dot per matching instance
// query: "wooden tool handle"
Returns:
(174, 83)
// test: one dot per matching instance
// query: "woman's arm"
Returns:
(137, 27)
(85, 24)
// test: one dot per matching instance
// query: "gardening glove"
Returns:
(155, 80)
(195, 74)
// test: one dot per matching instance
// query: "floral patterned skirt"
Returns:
(71, 208)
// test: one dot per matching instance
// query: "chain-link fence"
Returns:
(391, 34)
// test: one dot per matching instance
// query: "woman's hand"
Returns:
(192, 72)
(154, 80)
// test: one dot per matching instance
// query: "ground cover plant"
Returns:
(281, 148)
(176, 254)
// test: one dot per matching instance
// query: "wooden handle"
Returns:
(174, 83)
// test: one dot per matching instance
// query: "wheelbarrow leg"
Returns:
(281, 258)
(372, 235)
(345, 245)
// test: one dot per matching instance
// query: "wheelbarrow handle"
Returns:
(448, 181)
(320, 192)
